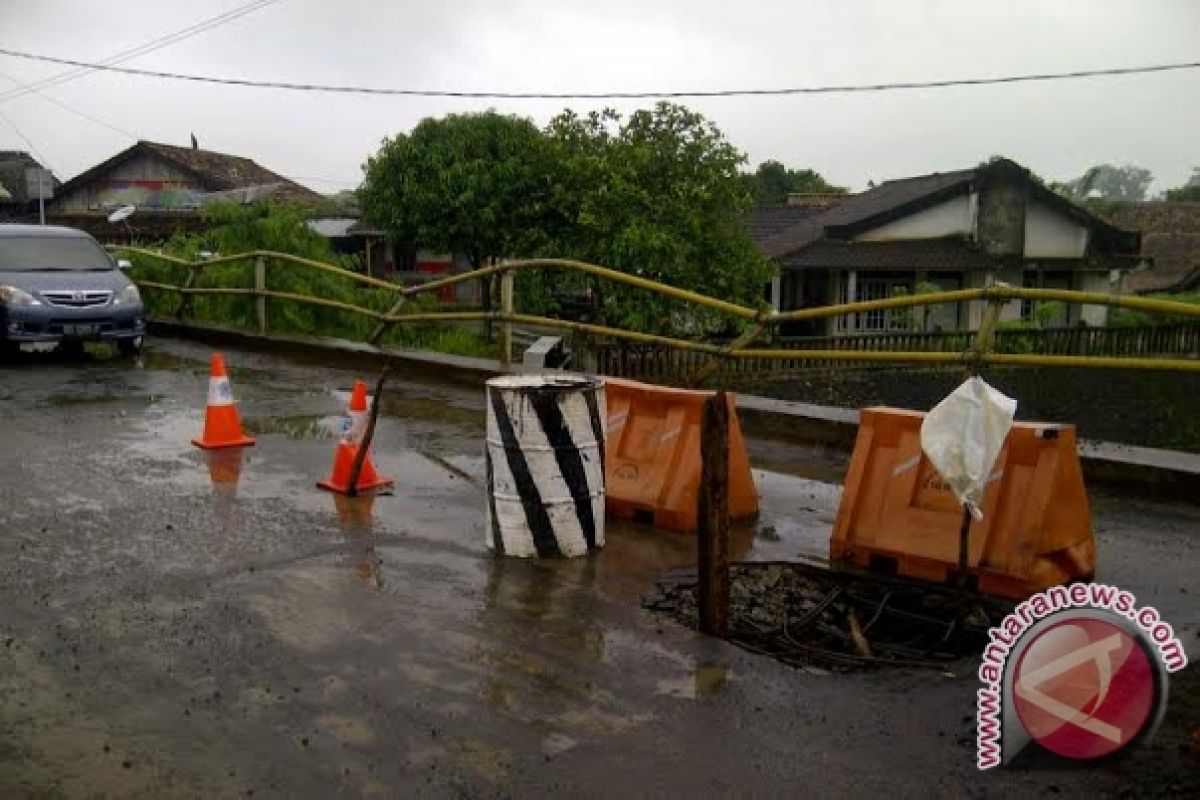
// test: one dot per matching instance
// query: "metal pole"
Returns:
(713, 510)
(41, 197)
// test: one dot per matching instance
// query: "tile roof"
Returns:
(764, 222)
(13, 164)
(1170, 238)
(937, 255)
(858, 207)
(216, 172)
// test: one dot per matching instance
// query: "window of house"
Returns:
(1040, 278)
(874, 286)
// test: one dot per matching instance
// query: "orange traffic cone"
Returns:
(347, 448)
(222, 428)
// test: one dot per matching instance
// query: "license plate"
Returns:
(79, 330)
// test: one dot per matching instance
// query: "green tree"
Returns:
(659, 195)
(474, 184)
(772, 182)
(1107, 182)
(1189, 192)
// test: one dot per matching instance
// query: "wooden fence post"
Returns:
(185, 299)
(506, 310)
(260, 286)
(713, 533)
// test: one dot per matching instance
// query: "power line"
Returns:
(72, 109)
(498, 95)
(32, 147)
(142, 49)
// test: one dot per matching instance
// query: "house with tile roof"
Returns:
(167, 185)
(1170, 244)
(18, 188)
(964, 229)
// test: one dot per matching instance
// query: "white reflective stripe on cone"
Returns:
(357, 428)
(219, 392)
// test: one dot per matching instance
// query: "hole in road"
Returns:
(806, 616)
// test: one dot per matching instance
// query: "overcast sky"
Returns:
(1056, 129)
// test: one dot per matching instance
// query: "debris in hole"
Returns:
(806, 616)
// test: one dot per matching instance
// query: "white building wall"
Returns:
(954, 217)
(1050, 234)
(978, 279)
(1095, 316)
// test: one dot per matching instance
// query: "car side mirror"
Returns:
(124, 264)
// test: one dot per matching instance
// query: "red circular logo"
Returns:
(1084, 688)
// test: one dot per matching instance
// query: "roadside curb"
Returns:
(1150, 472)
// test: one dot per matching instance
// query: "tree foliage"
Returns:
(657, 194)
(1189, 192)
(465, 183)
(772, 182)
(1107, 182)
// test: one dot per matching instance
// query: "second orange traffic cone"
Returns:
(222, 427)
(347, 449)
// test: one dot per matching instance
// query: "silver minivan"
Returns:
(59, 286)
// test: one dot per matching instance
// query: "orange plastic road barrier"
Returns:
(898, 516)
(347, 448)
(652, 456)
(222, 427)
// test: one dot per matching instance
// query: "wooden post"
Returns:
(361, 455)
(382, 327)
(713, 533)
(506, 309)
(185, 299)
(260, 286)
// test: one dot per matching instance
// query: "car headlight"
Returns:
(12, 296)
(127, 296)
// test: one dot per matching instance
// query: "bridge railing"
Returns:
(709, 356)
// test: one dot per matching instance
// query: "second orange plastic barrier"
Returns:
(652, 456)
(898, 516)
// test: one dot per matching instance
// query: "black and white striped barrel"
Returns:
(545, 465)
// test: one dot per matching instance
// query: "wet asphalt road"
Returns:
(176, 626)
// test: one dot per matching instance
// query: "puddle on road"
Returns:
(300, 426)
(70, 400)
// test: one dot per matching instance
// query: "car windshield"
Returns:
(35, 253)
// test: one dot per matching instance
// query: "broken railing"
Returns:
(760, 321)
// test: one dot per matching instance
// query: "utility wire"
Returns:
(32, 147)
(72, 109)
(142, 49)
(834, 89)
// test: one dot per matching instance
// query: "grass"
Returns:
(290, 317)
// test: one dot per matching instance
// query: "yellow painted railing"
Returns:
(763, 319)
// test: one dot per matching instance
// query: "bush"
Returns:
(238, 229)
(1121, 317)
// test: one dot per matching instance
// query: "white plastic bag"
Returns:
(962, 437)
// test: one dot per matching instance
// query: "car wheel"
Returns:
(130, 347)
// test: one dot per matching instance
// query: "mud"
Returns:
(176, 625)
